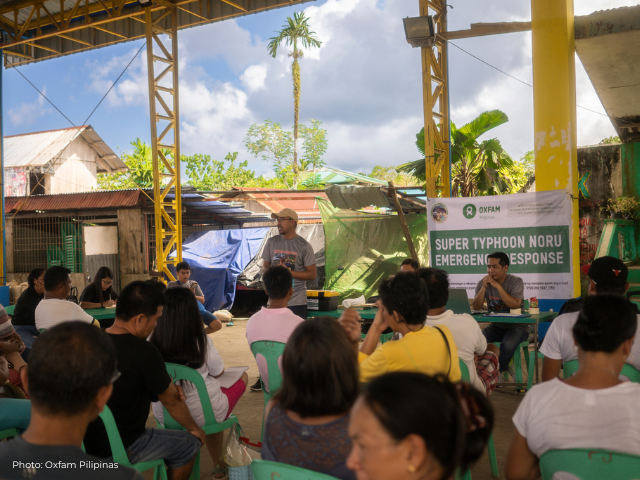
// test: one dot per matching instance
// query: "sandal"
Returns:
(219, 472)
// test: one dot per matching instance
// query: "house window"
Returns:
(36, 183)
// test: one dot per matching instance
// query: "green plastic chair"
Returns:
(119, 453)
(590, 464)
(571, 367)
(271, 351)
(493, 460)
(517, 361)
(15, 415)
(267, 470)
(211, 425)
(531, 367)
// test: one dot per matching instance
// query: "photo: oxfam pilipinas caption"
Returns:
(533, 229)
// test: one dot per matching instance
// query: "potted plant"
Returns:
(623, 207)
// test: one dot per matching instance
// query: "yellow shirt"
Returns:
(422, 351)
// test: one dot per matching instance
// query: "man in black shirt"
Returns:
(145, 379)
(23, 318)
(70, 377)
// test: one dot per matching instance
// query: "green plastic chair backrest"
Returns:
(589, 464)
(271, 351)
(464, 370)
(117, 447)
(628, 371)
(15, 415)
(267, 470)
(182, 372)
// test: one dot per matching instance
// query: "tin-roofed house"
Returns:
(57, 161)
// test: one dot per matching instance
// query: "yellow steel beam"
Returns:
(436, 105)
(554, 107)
(168, 215)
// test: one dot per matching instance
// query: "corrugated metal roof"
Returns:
(304, 203)
(335, 176)
(40, 148)
(75, 201)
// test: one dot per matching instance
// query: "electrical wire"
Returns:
(74, 125)
(522, 81)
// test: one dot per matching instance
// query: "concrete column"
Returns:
(554, 102)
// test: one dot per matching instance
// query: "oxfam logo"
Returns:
(469, 211)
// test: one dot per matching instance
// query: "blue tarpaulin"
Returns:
(217, 258)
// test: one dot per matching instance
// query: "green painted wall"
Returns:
(630, 159)
(630, 156)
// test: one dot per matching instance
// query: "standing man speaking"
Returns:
(292, 251)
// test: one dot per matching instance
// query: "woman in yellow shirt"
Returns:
(404, 304)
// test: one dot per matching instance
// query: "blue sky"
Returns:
(363, 84)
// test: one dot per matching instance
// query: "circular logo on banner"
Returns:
(439, 213)
(469, 211)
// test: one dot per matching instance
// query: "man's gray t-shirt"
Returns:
(513, 285)
(188, 284)
(294, 253)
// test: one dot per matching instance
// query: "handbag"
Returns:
(73, 295)
(235, 455)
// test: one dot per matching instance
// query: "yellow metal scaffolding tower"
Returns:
(163, 92)
(436, 104)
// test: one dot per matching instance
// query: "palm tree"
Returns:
(475, 167)
(296, 29)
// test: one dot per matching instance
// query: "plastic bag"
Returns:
(234, 453)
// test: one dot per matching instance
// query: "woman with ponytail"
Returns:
(591, 409)
(410, 426)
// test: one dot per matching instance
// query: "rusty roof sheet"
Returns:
(75, 201)
(304, 203)
(40, 148)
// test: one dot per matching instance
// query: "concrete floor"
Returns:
(232, 345)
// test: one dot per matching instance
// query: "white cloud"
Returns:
(26, 114)
(253, 77)
(214, 120)
(132, 88)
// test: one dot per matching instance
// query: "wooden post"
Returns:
(403, 222)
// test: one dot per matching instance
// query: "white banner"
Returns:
(533, 229)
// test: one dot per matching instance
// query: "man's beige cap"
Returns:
(286, 212)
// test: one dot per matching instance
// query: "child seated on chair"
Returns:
(181, 339)
(275, 322)
(307, 419)
(593, 408)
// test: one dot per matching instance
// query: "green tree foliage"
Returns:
(314, 145)
(295, 30)
(517, 174)
(610, 140)
(273, 144)
(401, 179)
(210, 175)
(140, 173)
(475, 166)
(528, 161)
(269, 141)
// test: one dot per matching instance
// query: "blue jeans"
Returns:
(27, 333)
(175, 447)
(510, 337)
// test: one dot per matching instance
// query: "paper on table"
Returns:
(230, 376)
